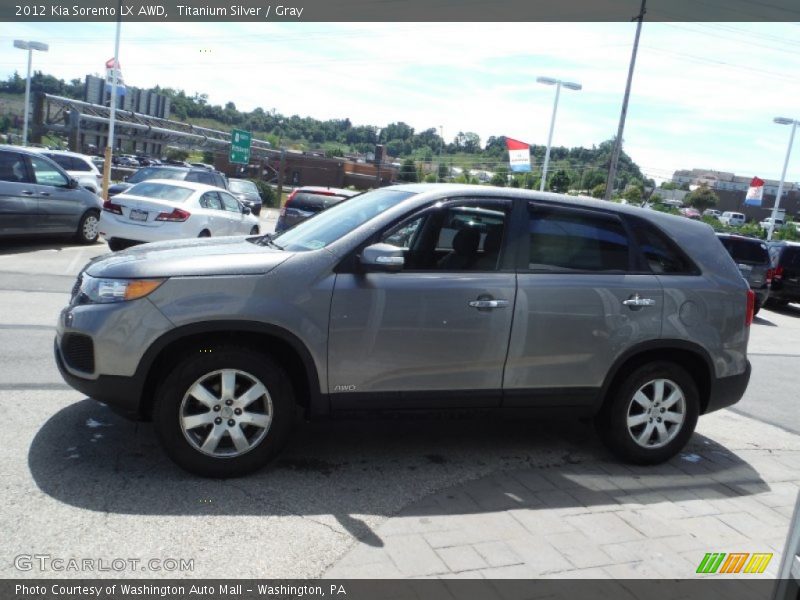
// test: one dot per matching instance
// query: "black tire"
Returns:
(257, 211)
(612, 422)
(254, 230)
(756, 306)
(87, 227)
(204, 233)
(199, 366)
(116, 245)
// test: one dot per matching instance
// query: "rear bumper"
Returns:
(727, 391)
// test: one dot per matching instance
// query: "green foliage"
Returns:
(633, 193)
(716, 223)
(656, 197)
(665, 208)
(701, 198)
(268, 194)
(752, 230)
(177, 154)
(788, 232)
(500, 178)
(559, 182)
(599, 191)
(208, 157)
(408, 171)
(669, 185)
(443, 171)
(430, 178)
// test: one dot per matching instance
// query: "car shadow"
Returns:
(760, 320)
(788, 309)
(88, 457)
(22, 244)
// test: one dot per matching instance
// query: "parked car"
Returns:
(711, 212)
(78, 166)
(162, 209)
(214, 178)
(409, 297)
(690, 213)
(732, 219)
(305, 202)
(247, 193)
(37, 197)
(765, 224)
(785, 262)
(752, 258)
(125, 160)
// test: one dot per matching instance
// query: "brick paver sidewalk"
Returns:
(733, 490)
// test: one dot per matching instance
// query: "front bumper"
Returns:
(727, 391)
(122, 394)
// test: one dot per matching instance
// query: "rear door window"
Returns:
(12, 167)
(564, 240)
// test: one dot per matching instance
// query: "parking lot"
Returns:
(394, 497)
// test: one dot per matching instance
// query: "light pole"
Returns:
(558, 83)
(793, 123)
(30, 46)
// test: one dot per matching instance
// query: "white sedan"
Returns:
(162, 209)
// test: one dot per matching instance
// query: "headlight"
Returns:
(103, 291)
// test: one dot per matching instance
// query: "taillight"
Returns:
(777, 273)
(770, 275)
(109, 206)
(751, 307)
(176, 215)
(291, 197)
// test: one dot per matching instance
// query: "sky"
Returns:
(704, 95)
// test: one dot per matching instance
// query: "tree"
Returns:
(443, 171)
(408, 172)
(559, 182)
(701, 198)
(633, 193)
(599, 191)
(500, 178)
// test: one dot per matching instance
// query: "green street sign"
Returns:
(240, 147)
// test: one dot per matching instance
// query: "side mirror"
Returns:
(246, 210)
(72, 183)
(383, 257)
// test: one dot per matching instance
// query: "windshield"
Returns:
(329, 225)
(161, 191)
(156, 173)
(238, 186)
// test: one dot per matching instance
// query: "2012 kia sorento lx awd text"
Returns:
(416, 297)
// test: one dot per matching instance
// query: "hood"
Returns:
(195, 257)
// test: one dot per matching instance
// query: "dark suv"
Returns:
(752, 258)
(305, 202)
(205, 176)
(785, 257)
(416, 297)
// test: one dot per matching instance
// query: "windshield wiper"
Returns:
(266, 240)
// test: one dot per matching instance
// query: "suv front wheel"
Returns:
(650, 416)
(223, 411)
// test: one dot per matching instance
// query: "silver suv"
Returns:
(416, 297)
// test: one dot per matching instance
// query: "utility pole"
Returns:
(110, 141)
(612, 169)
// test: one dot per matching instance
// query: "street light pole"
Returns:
(558, 83)
(793, 123)
(113, 106)
(30, 46)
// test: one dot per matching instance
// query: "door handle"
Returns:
(27, 192)
(636, 301)
(479, 304)
(44, 193)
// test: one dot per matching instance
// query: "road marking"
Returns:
(74, 261)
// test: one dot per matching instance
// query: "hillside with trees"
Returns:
(464, 157)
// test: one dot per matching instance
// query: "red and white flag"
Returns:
(519, 155)
(755, 192)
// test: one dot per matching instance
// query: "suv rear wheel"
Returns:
(223, 411)
(650, 416)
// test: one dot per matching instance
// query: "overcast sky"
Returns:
(704, 95)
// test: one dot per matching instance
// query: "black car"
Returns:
(305, 202)
(206, 176)
(247, 193)
(752, 258)
(785, 262)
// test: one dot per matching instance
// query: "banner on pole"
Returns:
(112, 66)
(755, 192)
(519, 156)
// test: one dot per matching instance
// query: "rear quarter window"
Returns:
(746, 251)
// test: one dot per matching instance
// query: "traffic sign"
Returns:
(240, 147)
